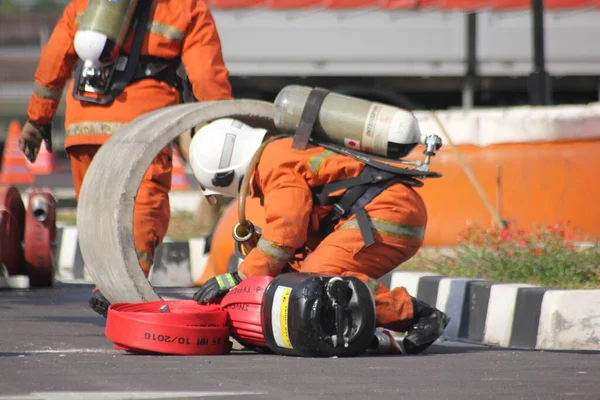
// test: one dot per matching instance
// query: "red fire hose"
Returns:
(169, 327)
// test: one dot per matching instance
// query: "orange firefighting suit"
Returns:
(284, 178)
(175, 29)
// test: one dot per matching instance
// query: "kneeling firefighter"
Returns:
(126, 55)
(329, 210)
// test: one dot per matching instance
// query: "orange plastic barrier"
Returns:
(541, 184)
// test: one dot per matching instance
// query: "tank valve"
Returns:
(339, 293)
(432, 144)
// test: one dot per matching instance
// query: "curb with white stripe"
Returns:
(176, 263)
(509, 315)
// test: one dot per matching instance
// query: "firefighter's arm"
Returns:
(203, 58)
(287, 216)
(54, 69)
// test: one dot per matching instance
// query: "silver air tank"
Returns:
(358, 124)
(102, 31)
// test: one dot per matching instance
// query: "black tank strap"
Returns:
(361, 190)
(309, 116)
(136, 48)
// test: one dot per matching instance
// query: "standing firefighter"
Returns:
(312, 226)
(125, 55)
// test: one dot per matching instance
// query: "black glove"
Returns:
(217, 287)
(31, 139)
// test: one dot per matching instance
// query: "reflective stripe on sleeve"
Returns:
(46, 92)
(273, 251)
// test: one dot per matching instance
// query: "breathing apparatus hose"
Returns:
(244, 232)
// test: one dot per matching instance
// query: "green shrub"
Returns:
(546, 256)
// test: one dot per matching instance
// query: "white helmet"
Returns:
(220, 153)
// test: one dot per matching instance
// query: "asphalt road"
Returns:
(53, 347)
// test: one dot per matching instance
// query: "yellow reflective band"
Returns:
(273, 251)
(46, 92)
(93, 128)
(168, 32)
(373, 285)
(316, 162)
(231, 281)
(389, 228)
(144, 257)
(78, 17)
(220, 281)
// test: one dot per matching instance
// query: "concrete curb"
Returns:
(177, 264)
(510, 315)
(507, 315)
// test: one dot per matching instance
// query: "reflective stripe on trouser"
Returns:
(390, 228)
(151, 211)
(93, 127)
(342, 253)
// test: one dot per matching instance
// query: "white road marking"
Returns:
(122, 395)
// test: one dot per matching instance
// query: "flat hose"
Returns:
(169, 327)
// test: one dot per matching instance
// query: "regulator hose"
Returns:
(244, 231)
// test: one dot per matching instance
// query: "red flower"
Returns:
(510, 254)
(505, 234)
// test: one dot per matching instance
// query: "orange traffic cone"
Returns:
(14, 164)
(178, 180)
(45, 162)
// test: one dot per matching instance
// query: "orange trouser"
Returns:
(342, 253)
(152, 210)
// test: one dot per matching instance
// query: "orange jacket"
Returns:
(177, 28)
(284, 179)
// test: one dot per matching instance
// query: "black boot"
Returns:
(99, 303)
(428, 325)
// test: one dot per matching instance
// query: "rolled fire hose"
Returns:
(169, 327)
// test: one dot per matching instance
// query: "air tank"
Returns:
(103, 30)
(358, 124)
(317, 316)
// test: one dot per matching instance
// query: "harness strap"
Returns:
(368, 175)
(371, 183)
(136, 48)
(309, 116)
